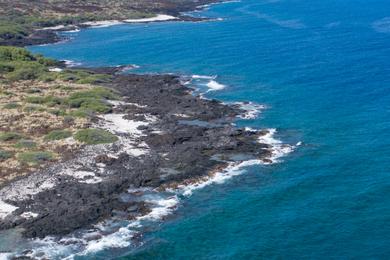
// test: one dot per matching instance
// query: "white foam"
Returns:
(232, 170)
(6, 209)
(252, 110)
(278, 149)
(72, 31)
(71, 63)
(214, 85)
(119, 239)
(203, 77)
(157, 18)
(382, 25)
(5, 256)
(161, 207)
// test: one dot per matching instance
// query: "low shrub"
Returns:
(4, 155)
(81, 113)
(57, 112)
(90, 104)
(25, 144)
(48, 100)
(10, 136)
(95, 136)
(35, 99)
(35, 157)
(31, 109)
(96, 93)
(83, 77)
(58, 135)
(11, 105)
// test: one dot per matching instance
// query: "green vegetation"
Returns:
(48, 100)
(4, 155)
(90, 101)
(83, 77)
(10, 31)
(98, 93)
(20, 64)
(35, 99)
(90, 105)
(58, 135)
(11, 105)
(10, 136)
(35, 157)
(25, 144)
(32, 109)
(81, 113)
(57, 112)
(95, 136)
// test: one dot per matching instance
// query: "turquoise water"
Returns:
(323, 70)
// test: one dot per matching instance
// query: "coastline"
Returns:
(171, 141)
(41, 35)
(167, 148)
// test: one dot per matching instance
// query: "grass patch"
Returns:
(35, 100)
(57, 112)
(20, 64)
(48, 100)
(83, 77)
(10, 136)
(32, 109)
(81, 113)
(97, 93)
(90, 104)
(4, 155)
(11, 105)
(93, 100)
(95, 136)
(25, 144)
(35, 157)
(58, 135)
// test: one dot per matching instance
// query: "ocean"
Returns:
(322, 71)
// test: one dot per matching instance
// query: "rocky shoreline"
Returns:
(169, 139)
(168, 136)
(49, 35)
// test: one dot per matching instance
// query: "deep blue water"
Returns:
(323, 69)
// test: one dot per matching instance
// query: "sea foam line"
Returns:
(161, 205)
(205, 81)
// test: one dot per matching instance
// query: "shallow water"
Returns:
(322, 69)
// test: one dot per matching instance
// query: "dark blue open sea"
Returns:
(322, 68)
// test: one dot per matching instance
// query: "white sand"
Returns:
(55, 69)
(58, 27)
(6, 209)
(158, 18)
(29, 215)
(100, 24)
(115, 123)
